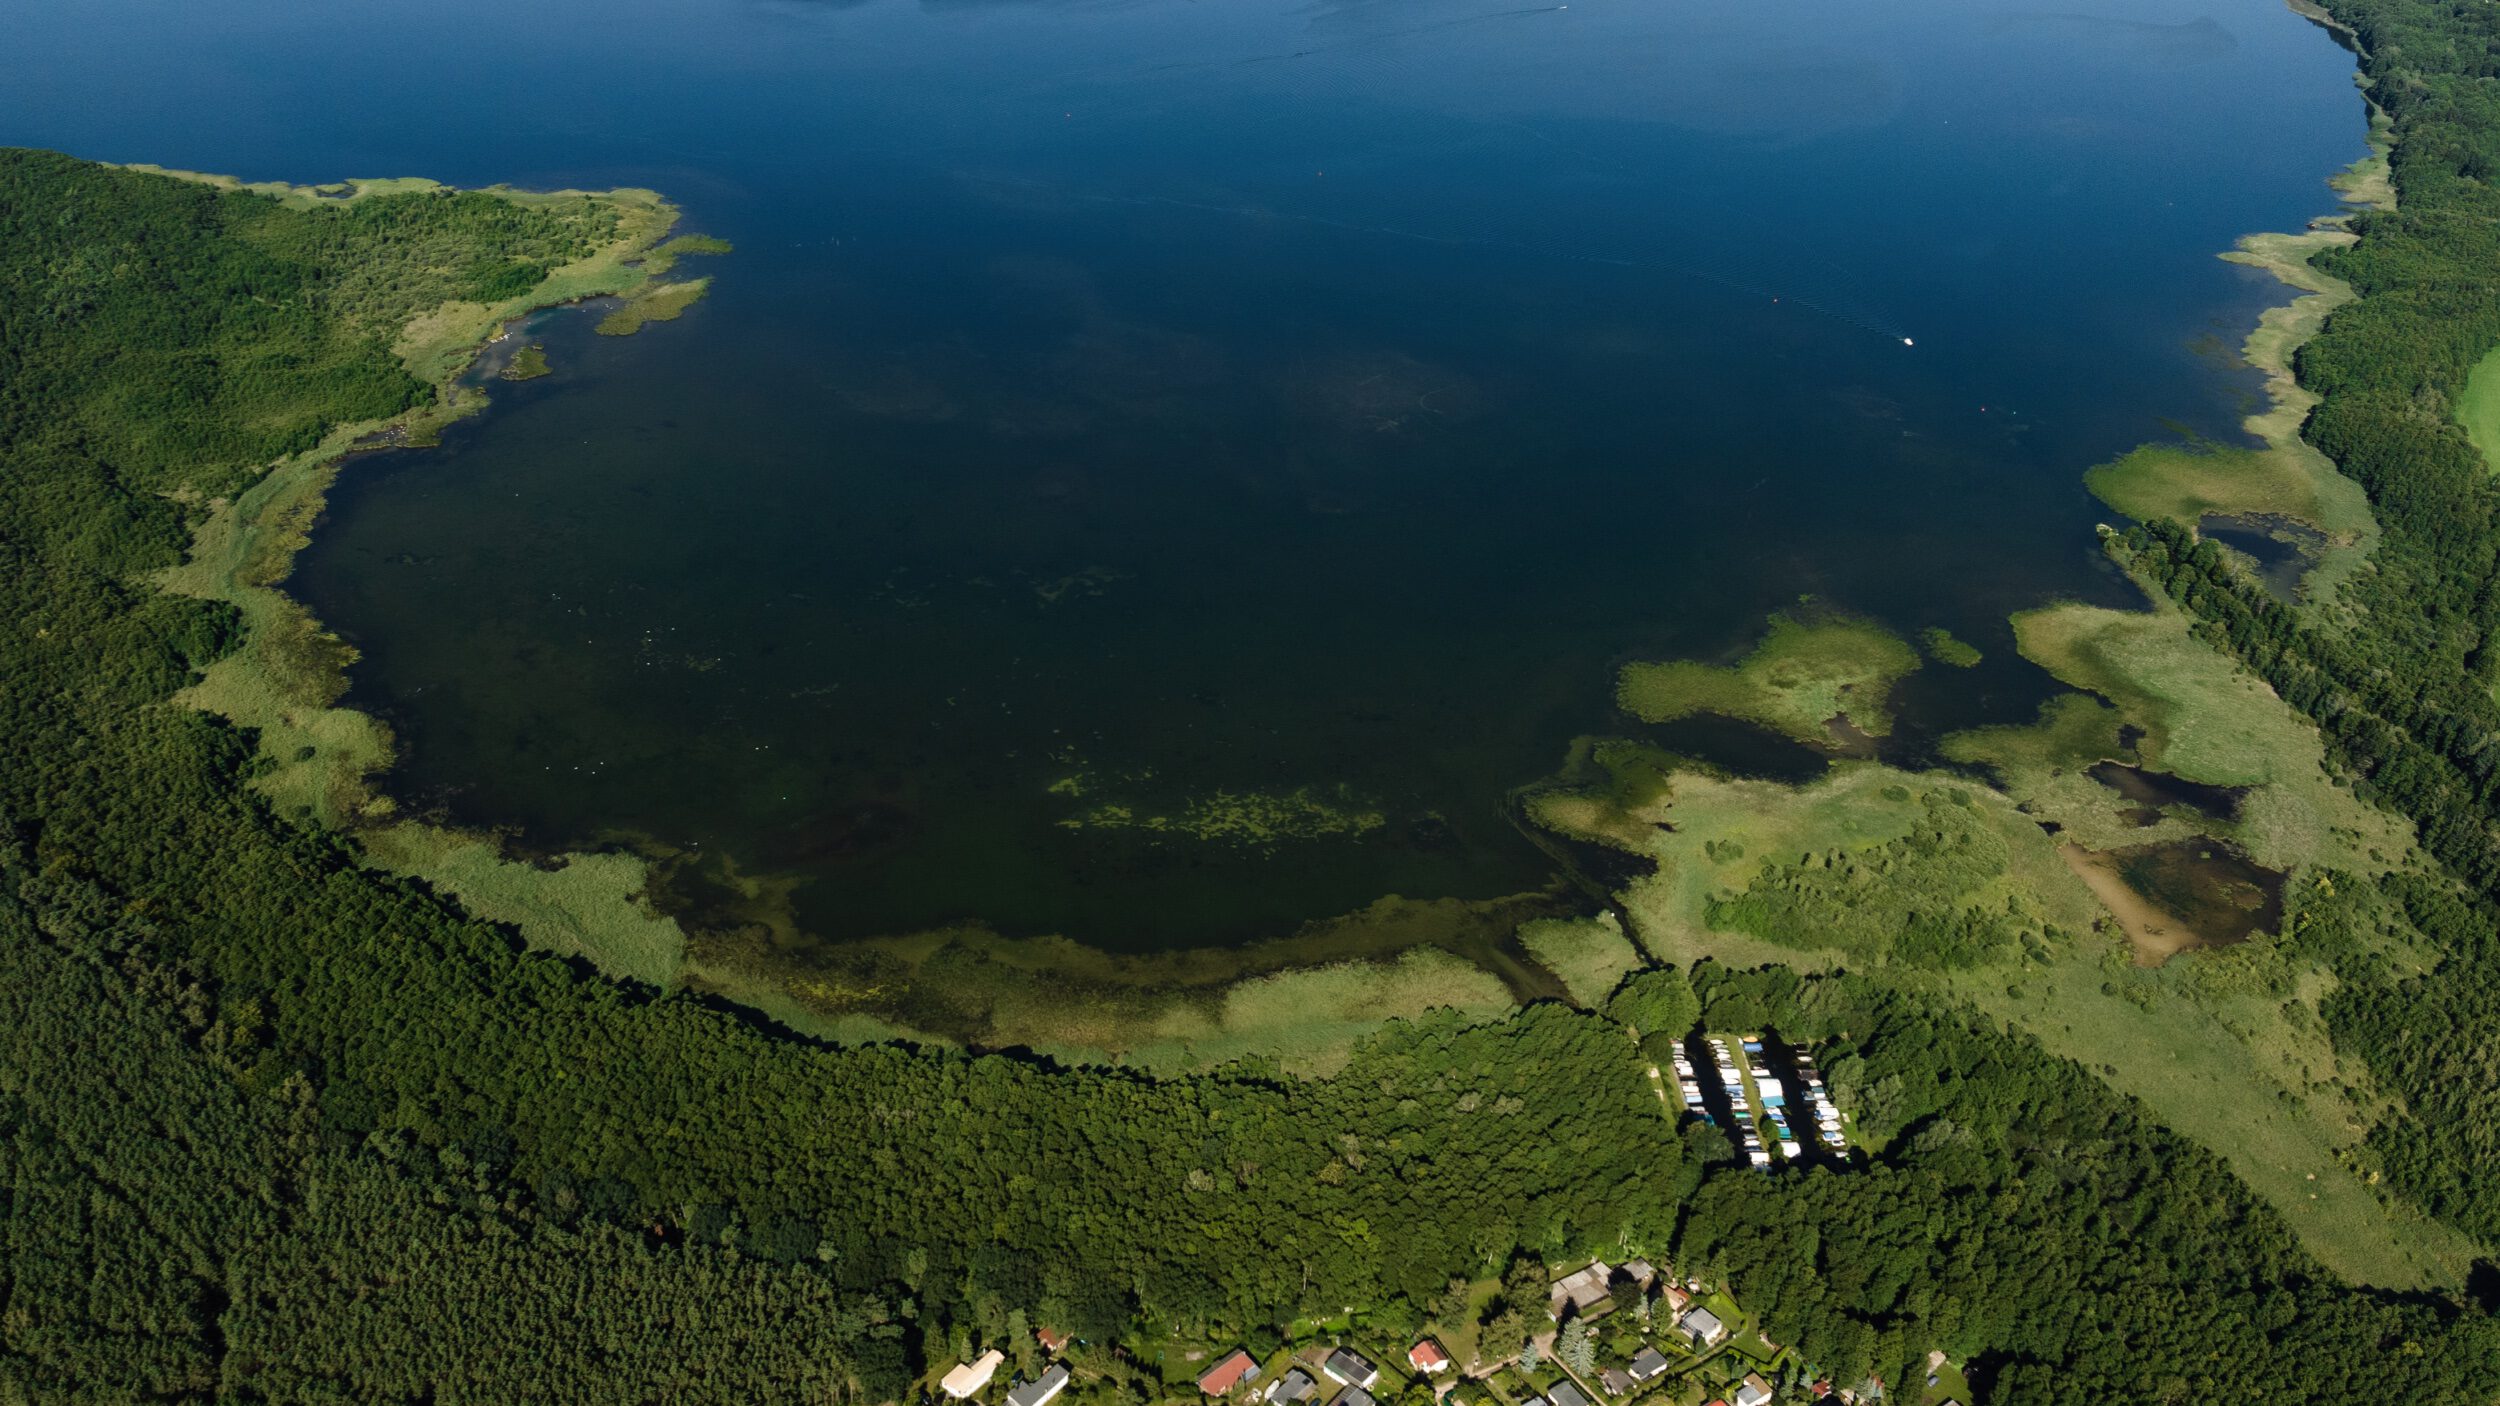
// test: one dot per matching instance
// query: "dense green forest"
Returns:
(274, 1126)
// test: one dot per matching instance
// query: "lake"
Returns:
(1162, 472)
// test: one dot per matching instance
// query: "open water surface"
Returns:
(1163, 471)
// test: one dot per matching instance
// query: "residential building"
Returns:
(1291, 1389)
(1051, 1339)
(1041, 1389)
(1353, 1396)
(1753, 1391)
(969, 1377)
(1238, 1368)
(1346, 1367)
(1704, 1328)
(1647, 1363)
(1563, 1393)
(1616, 1381)
(1582, 1291)
(1427, 1356)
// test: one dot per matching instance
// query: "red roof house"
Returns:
(1235, 1369)
(1427, 1356)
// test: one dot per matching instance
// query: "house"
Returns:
(1353, 1396)
(1237, 1368)
(970, 1377)
(1616, 1381)
(1677, 1299)
(1345, 1367)
(1704, 1328)
(1426, 1356)
(1647, 1363)
(1563, 1393)
(1041, 1389)
(1051, 1339)
(1641, 1272)
(1582, 1291)
(1291, 1389)
(1753, 1391)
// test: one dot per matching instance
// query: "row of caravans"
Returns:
(1775, 1115)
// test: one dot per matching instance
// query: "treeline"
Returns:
(2421, 743)
(2023, 1215)
(276, 1127)
(2421, 738)
(2423, 1033)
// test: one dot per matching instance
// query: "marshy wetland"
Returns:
(1158, 479)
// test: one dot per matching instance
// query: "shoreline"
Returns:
(1303, 998)
(324, 761)
(2285, 479)
(285, 679)
(2217, 1043)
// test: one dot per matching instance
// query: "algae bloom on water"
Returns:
(1806, 672)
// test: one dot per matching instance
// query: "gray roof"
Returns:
(1565, 1394)
(1704, 1322)
(1648, 1362)
(1295, 1385)
(1040, 1389)
(1348, 1366)
(1354, 1396)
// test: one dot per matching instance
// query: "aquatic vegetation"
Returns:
(1259, 819)
(1942, 647)
(653, 302)
(527, 364)
(1806, 672)
(2287, 477)
(1077, 585)
(2192, 482)
(663, 258)
(2200, 718)
(286, 674)
(1306, 999)
(1591, 955)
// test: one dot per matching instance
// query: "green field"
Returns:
(2479, 408)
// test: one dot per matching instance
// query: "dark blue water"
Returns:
(1164, 471)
